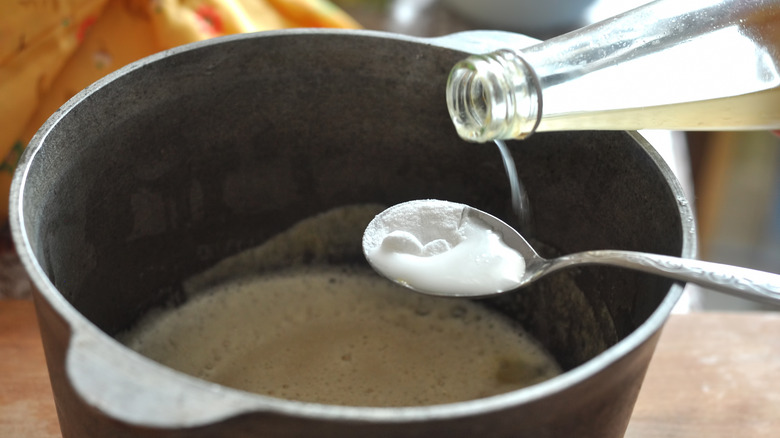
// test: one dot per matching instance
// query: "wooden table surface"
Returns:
(713, 375)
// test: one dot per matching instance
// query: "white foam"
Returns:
(344, 336)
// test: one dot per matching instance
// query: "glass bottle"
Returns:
(670, 64)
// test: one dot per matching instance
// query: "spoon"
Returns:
(741, 282)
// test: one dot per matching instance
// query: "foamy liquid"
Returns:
(340, 335)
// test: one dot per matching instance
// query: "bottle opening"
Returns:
(468, 101)
(489, 98)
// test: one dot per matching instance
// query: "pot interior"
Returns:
(158, 174)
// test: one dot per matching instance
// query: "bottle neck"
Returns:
(666, 65)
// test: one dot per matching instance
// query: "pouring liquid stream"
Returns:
(520, 204)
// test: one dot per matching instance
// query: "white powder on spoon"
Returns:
(432, 247)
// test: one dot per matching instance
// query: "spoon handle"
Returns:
(745, 283)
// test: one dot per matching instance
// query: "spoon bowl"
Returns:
(745, 283)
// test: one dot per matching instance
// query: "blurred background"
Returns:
(733, 178)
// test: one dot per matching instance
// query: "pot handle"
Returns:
(135, 390)
(482, 41)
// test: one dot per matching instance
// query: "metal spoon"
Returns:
(741, 282)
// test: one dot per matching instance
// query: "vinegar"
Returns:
(693, 65)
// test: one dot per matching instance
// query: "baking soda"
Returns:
(432, 246)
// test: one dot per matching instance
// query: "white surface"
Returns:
(524, 15)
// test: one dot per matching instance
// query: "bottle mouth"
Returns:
(493, 97)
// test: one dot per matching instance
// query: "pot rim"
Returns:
(244, 402)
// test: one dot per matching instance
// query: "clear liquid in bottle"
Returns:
(698, 65)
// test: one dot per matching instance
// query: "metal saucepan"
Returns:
(173, 163)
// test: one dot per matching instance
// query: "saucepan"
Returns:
(158, 171)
